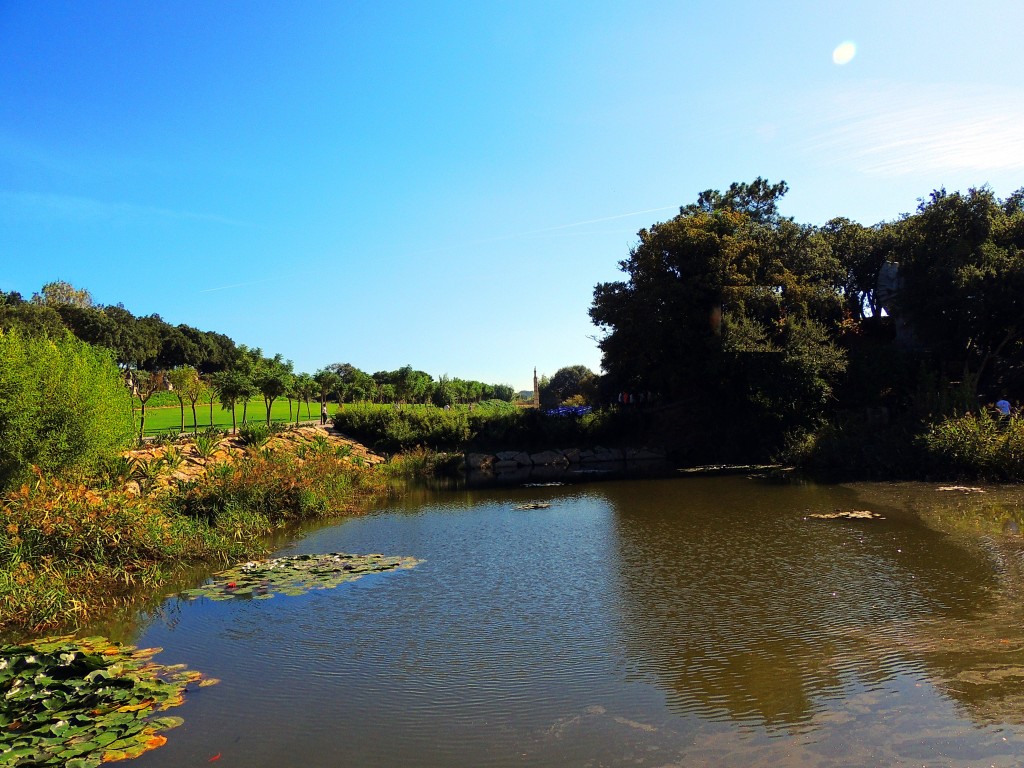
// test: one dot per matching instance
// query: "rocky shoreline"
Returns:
(511, 460)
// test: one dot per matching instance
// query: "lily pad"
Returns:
(292, 576)
(80, 702)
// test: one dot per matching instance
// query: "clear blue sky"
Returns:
(442, 184)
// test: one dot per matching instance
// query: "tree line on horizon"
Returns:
(202, 365)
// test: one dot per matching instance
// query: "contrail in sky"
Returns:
(596, 221)
(544, 230)
(234, 285)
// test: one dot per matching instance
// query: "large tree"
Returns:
(573, 382)
(962, 280)
(725, 292)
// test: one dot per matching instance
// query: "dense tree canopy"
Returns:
(739, 310)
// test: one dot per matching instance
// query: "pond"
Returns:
(663, 622)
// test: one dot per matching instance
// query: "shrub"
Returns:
(274, 486)
(254, 434)
(207, 444)
(63, 405)
(982, 445)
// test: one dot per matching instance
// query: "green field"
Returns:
(165, 419)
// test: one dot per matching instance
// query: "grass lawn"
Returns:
(165, 419)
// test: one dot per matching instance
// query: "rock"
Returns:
(600, 454)
(641, 454)
(479, 461)
(547, 458)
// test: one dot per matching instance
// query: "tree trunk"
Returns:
(234, 426)
(181, 403)
(195, 425)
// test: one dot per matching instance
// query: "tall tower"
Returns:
(536, 389)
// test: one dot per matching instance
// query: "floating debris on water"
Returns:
(961, 488)
(542, 485)
(853, 514)
(295, 575)
(535, 505)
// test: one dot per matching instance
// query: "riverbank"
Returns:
(74, 548)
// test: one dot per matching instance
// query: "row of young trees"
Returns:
(757, 320)
(253, 375)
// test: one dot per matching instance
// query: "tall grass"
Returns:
(69, 550)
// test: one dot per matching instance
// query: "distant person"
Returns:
(323, 413)
(1003, 406)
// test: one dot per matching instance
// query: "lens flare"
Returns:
(844, 53)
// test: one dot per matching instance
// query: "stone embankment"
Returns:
(504, 460)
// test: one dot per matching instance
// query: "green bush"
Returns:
(63, 405)
(254, 434)
(983, 446)
(389, 429)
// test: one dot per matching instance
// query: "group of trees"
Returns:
(202, 367)
(406, 385)
(137, 343)
(770, 324)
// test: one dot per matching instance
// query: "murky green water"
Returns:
(690, 622)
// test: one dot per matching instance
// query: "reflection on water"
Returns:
(697, 621)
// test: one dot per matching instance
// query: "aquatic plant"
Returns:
(296, 575)
(79, 703)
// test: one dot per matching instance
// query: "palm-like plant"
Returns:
(232, 386)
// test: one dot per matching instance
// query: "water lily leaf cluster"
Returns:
(295, 575)
(81, 702)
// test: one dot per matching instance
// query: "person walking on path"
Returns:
(323, 413)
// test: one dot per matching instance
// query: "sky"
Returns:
(442, 184)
